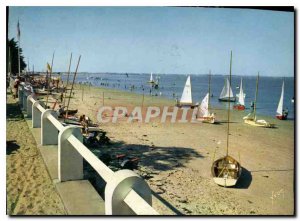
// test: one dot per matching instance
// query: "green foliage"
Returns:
(13, 47)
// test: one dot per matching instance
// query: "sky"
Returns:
(178, 40)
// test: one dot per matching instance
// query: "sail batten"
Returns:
(186, 97)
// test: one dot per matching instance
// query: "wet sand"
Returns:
(29, 188)
(176, 158)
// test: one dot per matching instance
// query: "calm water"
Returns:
(171, 86)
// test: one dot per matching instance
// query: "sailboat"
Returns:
(151, 81)
(186, 97)
(203, 111)
(251, 117)
(241, 101)
(281, 114)
(226, 93)
(226, 170)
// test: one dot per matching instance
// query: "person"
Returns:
(16, 87)
(61, 97)
(285, 112)
(84, 123)
(252, 106)
(60, 110)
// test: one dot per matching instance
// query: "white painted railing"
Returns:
(126, 193)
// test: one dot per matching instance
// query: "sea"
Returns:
(171, 86)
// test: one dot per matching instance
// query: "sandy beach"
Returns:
(176, 158)
(29, 188)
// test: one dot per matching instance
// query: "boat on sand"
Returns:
(226, 171)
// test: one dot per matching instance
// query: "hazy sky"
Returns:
(157, 39)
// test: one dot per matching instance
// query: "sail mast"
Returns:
(49, 79)
(67, 80)
(228, 116)
(74, 77)
(254, 112)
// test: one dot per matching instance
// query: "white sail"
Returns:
(204, 107)
(151, 78)
(280, 104)
(186, 97)
(241, 95)
(223, 92)
(226, 91)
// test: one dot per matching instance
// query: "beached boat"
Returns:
(226, 170)
(203, 110)
(241, 99)
(186, 97)
(251, 117)
(281, 114)
(226, 93)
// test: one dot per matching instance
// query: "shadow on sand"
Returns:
(11, 146)
(157, 158)
(154, 158)
(245, 179)
(13, 112)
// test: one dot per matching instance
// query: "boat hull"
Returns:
(210, 120)
(226, 171)
(225, 181)
(231, 99)
(281, 117)
(239, 107)
(258, 124)
(185, 105)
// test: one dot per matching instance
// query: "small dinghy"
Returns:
(151, 81)
(226, 170)
(281, 114)
(186, 97)
(204, 114)
(226, 93)
(241, 99)
(251, 117)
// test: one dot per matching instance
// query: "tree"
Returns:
(13, 49)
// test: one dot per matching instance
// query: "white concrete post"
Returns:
(20, 95)
(49, 133)
(42, 103)
(70, 162)
(36, 115)
(119, 187)
(29, 106)
(24, 102)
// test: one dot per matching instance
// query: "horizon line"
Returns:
(140, 73)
